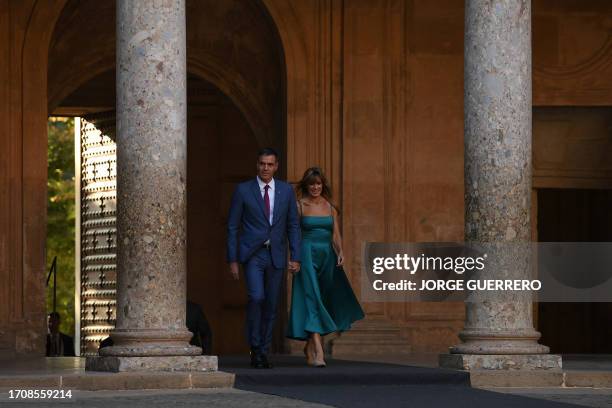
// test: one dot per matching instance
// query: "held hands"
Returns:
(294, 267)
(234, 272)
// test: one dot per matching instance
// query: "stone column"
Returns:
(499, 331)
(151, 196)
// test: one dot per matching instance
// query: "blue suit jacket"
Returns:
(248, 228)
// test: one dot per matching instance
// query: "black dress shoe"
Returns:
(265, 362)
(256, 359)
(258, 364)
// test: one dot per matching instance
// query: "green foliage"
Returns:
(61, 217)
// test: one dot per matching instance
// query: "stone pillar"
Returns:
(498, 331)
(151, 196)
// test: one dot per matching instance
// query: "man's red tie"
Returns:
(267, 202)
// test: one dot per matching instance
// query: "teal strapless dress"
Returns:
(322, 300)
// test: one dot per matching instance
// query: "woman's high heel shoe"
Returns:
(308, 352)
(319, 360)
(319, 363)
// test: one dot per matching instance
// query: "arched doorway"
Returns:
(60, 45)
(236, 105)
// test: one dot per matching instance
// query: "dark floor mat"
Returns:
(413, 396)
(289, 371)
(353, 384)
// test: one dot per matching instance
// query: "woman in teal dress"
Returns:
(322, 300)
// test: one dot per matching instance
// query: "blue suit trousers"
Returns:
(264, 283)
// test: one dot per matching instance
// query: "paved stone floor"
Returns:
(592, 362)
(230, 398)
(590, 397)
(209, 398)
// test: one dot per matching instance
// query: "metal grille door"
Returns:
(98, 195)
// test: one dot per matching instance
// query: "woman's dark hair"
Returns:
(310, 177)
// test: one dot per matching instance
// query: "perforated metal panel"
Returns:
(98, 233)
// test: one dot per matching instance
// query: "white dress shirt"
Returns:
(262, 186)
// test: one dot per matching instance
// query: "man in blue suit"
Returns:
(262, 217)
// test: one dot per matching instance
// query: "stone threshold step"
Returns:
(588, 378)
(367, 333)
(541, 378)
(367, 337)
(518, 378)
(370, 349)
(95, 381)
(372, 342)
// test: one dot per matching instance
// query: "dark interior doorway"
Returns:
(575, 215)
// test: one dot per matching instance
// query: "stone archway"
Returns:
(78, 55)
(222, 99)
(311, 120)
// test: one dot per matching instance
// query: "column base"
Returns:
(502, 342)
(150, 343)
(500, 361)
(161, 363)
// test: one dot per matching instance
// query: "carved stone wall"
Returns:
(403, 142)
(572, 147)
(372, 91)
(572, 53)
(25, 31)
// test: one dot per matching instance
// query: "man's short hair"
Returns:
(54, 315)
(267, 151)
